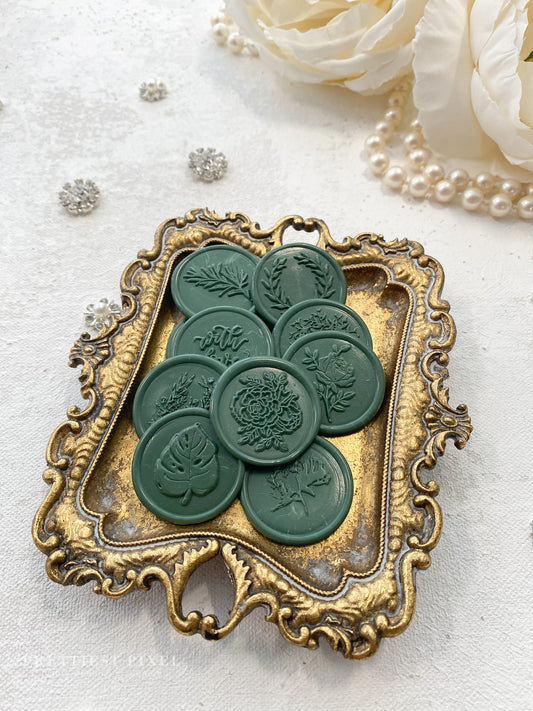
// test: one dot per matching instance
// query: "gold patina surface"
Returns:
(353, 587)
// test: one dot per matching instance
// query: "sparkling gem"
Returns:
(152, 90)
(80, 197)
(207, 164)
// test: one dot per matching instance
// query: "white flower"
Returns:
(473, 87)
(365, 46)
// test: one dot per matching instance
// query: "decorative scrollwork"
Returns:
(363, 609)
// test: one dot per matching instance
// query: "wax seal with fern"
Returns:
(218, 275)
(292, 274)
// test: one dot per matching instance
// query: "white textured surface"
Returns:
(70, 77)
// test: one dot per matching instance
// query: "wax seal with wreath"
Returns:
(265, 411)
(293, 273)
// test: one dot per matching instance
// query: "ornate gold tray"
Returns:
(353, 587)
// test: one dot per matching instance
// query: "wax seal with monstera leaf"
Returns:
(181, 471)
(293, 273)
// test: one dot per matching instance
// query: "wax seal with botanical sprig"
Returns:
(294, 273)
(318, 315)
(217, 275)
(176, 383)
(302, 502)
(348, 378)
(180, 470)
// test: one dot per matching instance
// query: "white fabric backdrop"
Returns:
(69, 78)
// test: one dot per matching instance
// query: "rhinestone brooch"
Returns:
(207, 164)
(152, 90)
(80, 197)
(101, 313)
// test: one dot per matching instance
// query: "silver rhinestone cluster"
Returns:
(101, 313)
(152, 90)
(207, 164)
(79, 197)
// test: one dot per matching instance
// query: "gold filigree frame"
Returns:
(114, 542)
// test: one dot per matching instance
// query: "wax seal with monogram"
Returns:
(225, 333)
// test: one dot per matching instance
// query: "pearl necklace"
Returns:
(226, 32)
(500, 197)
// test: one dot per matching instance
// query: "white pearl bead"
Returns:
(221, 17)
(374, 143)
(379, 162)
(415, 125)
(417, 159)
(444, 191)
(412, 141)
(384, 129)
(500, 205)
(485, 182)
(394, 115)
(235, 43)
(472, 199)
(220, 33)
(511, 188)
(525, 208)
(459, 178)
(529, 188)
(434, 172)
(396, 98)
(418, 186)
(395, 177)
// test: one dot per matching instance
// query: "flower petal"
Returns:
(441, 50)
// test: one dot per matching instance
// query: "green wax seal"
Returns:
(172, 338)
(265, 411)
(347, 376)
(214, 276)
(302, 502)
(318, 315)
(224, 333)
(293, 273)
(181, 471)
(182, 381)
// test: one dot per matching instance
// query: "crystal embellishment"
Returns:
(79, 197)
(101, 314)
(152, 90)
(207, 164)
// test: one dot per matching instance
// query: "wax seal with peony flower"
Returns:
(347, 376)
(265, 411)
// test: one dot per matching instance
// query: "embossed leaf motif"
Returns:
(188, 465)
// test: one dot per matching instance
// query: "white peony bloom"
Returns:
(363, 45)
(473, 86)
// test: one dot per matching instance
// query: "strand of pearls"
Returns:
(424, 177)
(226, 33)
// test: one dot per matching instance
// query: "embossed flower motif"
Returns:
(101, 313)
(266, 410)
(90, 351)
